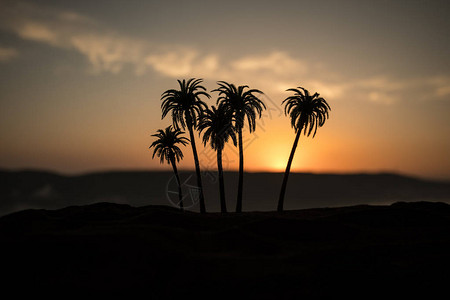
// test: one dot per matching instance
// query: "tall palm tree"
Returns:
(166, 148)
(242, 104)
(185, 106)
(307, 112)
(218, 127)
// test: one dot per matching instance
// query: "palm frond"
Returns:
(307, 112)
(166, 144)
(185, 104)
(216, 125)
(241, 103)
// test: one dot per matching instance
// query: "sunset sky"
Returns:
(81, 81)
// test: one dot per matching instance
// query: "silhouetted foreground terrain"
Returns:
(363, 251)
(32, 189)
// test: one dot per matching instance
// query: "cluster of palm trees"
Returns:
(236, 106)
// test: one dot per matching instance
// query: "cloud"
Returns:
(389, 90)
(37, 32)
(7, 54)
(183, 62)
(277, 62)
(109, 51)
(104, 49)
(441, 85)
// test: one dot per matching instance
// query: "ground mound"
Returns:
(107, 248)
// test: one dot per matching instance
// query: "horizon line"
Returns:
(157, 170)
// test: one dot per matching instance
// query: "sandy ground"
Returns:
(112, 249)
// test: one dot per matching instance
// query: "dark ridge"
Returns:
(115, 249)
(35, 189)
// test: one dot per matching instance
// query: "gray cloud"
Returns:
(275, 71)
(7, 54)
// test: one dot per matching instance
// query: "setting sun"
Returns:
(277, 165)
(277, 156)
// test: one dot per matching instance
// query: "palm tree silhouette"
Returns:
(241, 104)
(185, 106)
(307, 112)
(166, 148)
(218, 127)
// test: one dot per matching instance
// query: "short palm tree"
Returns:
(166, 148)
(242, 104)
(185, 106)
(218, 129)
(307, 112)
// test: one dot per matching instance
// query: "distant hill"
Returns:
(36, 189)
(106, 249)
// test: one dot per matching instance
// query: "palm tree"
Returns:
(166, 148)
(307, 112)
(218, 127)
(185, 106)
(241, 104)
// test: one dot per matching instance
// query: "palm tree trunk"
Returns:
(288, 169)
(241, 173)
(223, 204)
(197, 171)
(180, 195)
